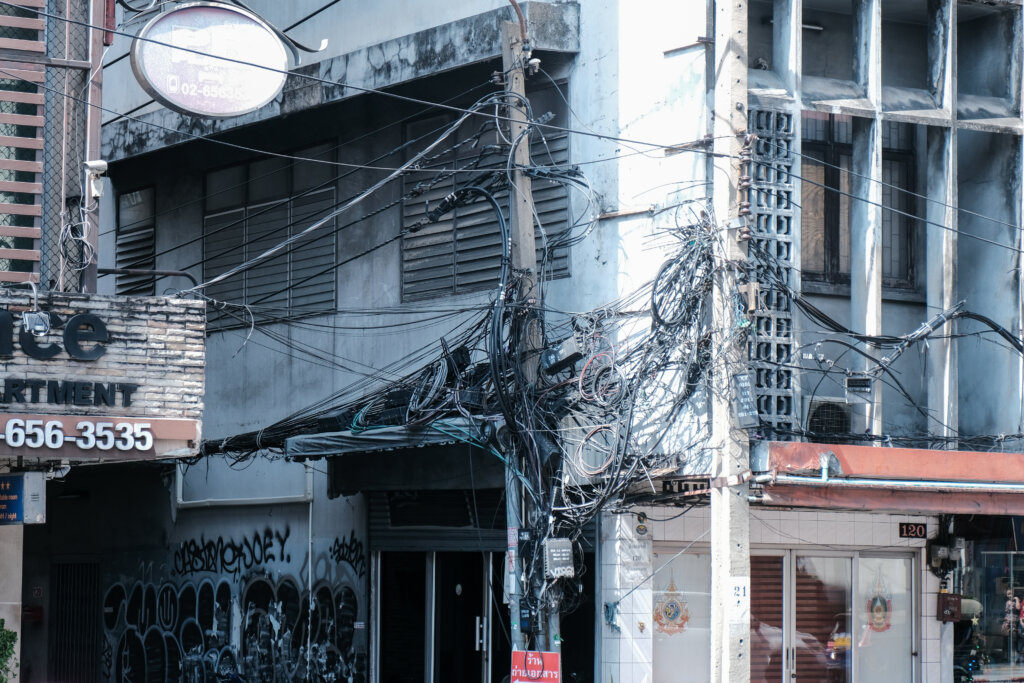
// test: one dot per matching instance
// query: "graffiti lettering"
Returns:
(350, 551)
(228, 556)
(188, 634)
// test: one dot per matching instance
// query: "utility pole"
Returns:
(730, 525)
(524, 257)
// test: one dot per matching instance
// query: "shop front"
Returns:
(989, 579)
(834, 598)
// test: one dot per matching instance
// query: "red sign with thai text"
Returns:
(530, 667)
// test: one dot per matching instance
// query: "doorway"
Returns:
(832, 617)
(815, 616)
(440, 617)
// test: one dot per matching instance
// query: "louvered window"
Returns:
(136, 241)
(253, 207)
(462, 252)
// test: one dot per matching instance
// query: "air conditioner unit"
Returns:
(825, 415)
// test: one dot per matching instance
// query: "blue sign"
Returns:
(12, 504)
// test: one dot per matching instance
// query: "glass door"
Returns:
(821, 641)
(884, 619)
(441, 617)
(460, 624)
(831, 618)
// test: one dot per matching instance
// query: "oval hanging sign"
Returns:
(176, 59)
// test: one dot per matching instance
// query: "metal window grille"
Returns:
(65, 90)
(75, 624)
(21, 123)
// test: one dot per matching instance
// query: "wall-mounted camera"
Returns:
(93, 183)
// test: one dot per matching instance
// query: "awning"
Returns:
(433, 457)
(850, 477)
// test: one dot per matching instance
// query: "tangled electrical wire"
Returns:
(579, 433)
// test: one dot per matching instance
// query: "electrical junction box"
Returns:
(560, 357)
(558, 563)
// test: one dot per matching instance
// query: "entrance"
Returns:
(840, 618)
(815, 617)
(441, 617)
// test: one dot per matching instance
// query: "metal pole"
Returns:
(730, 528)
(93, 140)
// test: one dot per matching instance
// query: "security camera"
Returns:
(96, 166)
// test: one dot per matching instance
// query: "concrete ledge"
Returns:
(553, 27)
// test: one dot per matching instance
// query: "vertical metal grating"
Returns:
(75, 623)
(62, 257)
(771, 350)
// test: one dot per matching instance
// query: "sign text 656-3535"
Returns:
(86, 434)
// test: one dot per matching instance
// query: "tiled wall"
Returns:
(626, 561)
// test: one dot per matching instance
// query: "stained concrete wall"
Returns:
(989, 281)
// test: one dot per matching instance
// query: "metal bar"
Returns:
(20, 142)
(12, 276)
(20, 254)
(28, 58)
(912, 484)
(144, 271)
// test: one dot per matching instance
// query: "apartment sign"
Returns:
(209, 59)
(112, 379)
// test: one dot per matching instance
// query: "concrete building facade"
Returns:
(885, 201)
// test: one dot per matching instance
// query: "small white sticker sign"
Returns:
(739, 600)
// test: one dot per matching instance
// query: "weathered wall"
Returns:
(154, 342)
(989, 281)
(386, 53)
(183, 591)
(825, 378)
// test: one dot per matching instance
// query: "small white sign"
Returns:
(739, 600)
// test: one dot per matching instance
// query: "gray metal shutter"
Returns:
(223, 237)
(136, 241)
(446, 520)
(313, 273)
(462, 252)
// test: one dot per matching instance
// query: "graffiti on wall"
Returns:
(229, 556)
(224, 612)
(351, 552)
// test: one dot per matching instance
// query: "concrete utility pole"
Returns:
(524, 257)
(730, 527)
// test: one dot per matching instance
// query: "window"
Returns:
(462, 252)
(826, 203)
(252, 207)
(136, 241)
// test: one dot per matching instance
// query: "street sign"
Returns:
(530, 667)
(22, 498)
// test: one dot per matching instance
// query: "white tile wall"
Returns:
(627, 653)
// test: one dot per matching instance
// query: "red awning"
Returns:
(906, 480)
